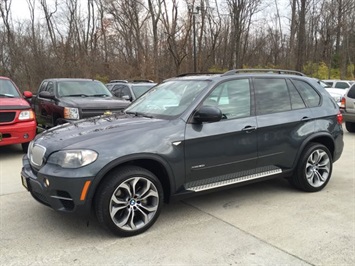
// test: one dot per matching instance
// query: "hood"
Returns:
(94, 102)
(96, 131)
(13, 103)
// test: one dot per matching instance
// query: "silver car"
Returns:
(347, 107)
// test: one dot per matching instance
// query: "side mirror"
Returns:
(27, 94)
(46, 95)
(127, 98)
(208, 114)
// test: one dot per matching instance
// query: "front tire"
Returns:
(129, 201)
(314, 169)
(25, 146)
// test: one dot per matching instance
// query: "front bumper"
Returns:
(17, 133)
(61, 193)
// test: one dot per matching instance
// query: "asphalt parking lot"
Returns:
(268, 223)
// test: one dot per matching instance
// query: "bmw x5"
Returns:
(188, 135)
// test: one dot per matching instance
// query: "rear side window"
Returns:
(272, 96)
(308, 93)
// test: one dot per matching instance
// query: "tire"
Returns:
(350, 127)
(25, 146)
(129, 201)
(314, 168)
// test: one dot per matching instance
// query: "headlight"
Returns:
(71, 113)
(73, 158)
(26, 115)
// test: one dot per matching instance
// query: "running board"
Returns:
(194, 186)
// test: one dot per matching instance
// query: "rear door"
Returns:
(283, 121)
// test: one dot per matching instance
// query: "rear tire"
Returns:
(129, 201)
(350, 127)
(314, 168)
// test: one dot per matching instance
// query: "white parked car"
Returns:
(336, 93)
(338, 84)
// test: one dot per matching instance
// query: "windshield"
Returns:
(168, 99)
(82, 88)
(138, 90)
(8, 89)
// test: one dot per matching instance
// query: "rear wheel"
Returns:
(129, 201)
(314, 169)
(350, 127)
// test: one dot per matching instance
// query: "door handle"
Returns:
(249, 129)
(305, 118)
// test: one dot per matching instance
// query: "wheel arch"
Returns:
(153, 163)
(321, 138)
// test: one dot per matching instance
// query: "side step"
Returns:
(226, 180)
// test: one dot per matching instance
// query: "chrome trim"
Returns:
(234, 180)
(61, 198)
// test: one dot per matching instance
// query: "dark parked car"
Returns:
(217, 131)
(62, 100)
(129, 90)
(347, 107)
(17, 119)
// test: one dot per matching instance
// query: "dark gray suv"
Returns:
(187, 135)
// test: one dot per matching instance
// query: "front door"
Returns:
(218, 153)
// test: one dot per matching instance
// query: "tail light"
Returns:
(340, 118)
(342, 102)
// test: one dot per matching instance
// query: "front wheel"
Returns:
(25, 146)
(129, 201)
(314, 169)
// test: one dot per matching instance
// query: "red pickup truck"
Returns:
(17, 120)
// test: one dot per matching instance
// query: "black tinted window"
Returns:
(308, 93)
(271, 96)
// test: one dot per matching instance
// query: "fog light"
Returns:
(46, 182)
(25, 136)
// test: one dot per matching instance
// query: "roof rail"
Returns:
(196, 74)
(143, 80)
(251, 70)
(118, 81)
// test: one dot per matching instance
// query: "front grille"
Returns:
(85, 113)
(6, 117)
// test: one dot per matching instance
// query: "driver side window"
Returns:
(232, 97)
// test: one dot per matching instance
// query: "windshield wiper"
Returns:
(140, 114)
(7, 95)
(76, 95)
(99, 95)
